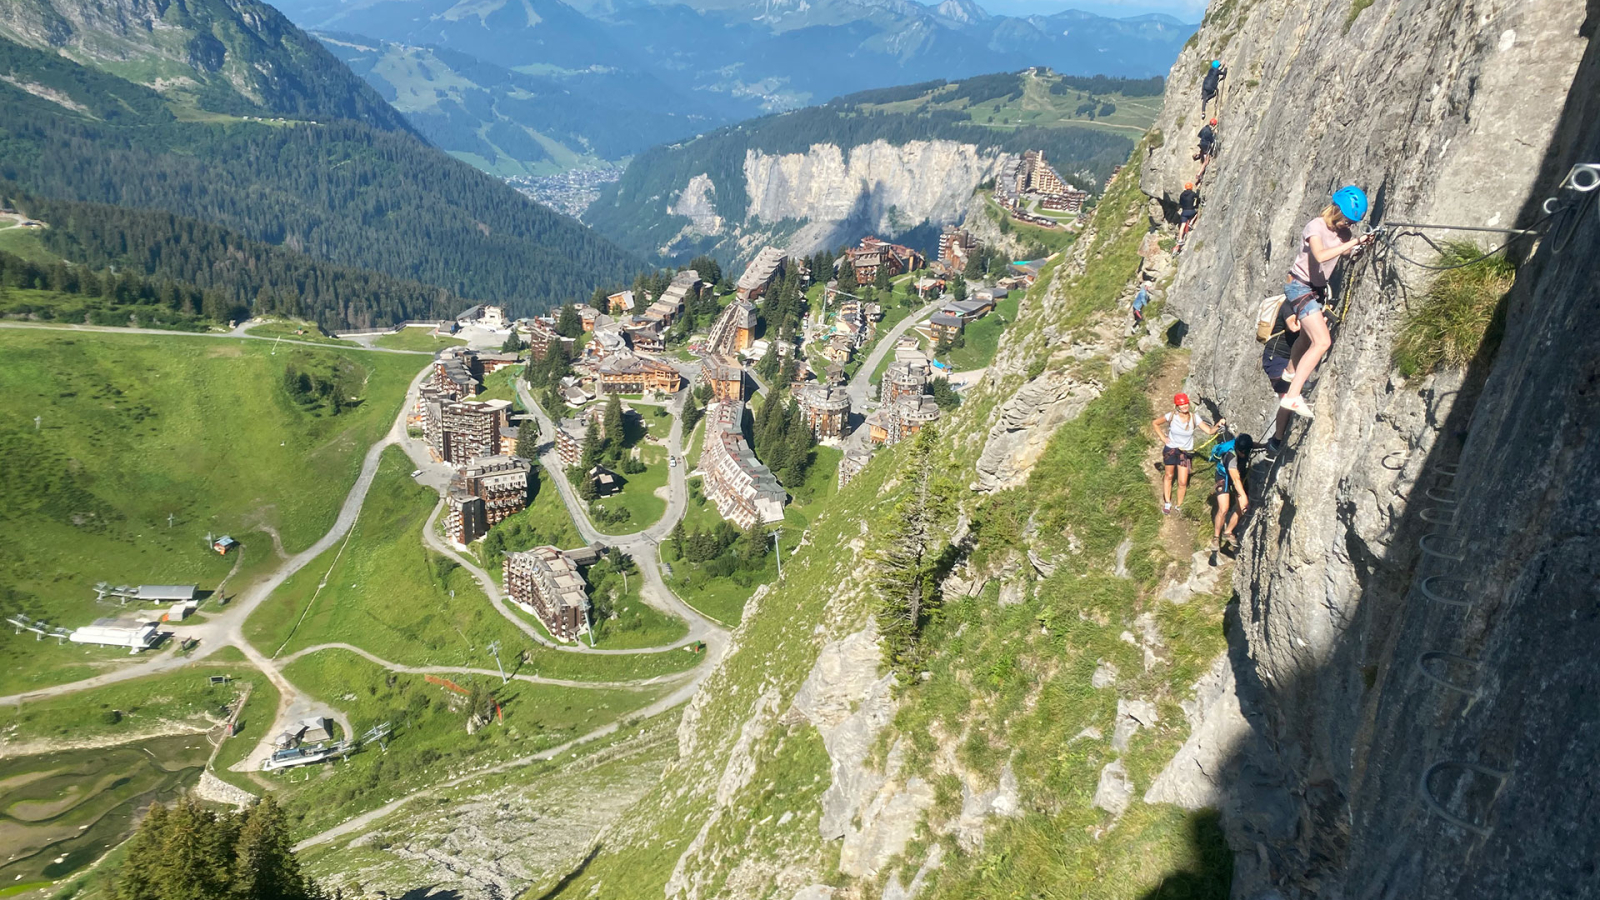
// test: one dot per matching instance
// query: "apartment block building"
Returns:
(484, 494)
(461, 432)
(629, 373)
(726, 377)
(740, 485)
(735, 330)
(763, 271)
(825, 409)
(546, 583)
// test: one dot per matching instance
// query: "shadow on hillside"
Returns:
(1215, 875)
(430, 893)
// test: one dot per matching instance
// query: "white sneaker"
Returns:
(1296, 405)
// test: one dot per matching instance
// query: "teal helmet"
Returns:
(1352, 202)
(1216, 64)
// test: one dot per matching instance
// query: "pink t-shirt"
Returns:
(1306, 268)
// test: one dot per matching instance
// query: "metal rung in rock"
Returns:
(1427, 539)
(1442, 682)
(1391, 455)
(1435, 494)
(1427, 590)
(1438, 809)
(1449, 470)
(1438, 516)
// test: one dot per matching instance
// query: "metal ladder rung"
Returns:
(1427, 590)
(1438, 809)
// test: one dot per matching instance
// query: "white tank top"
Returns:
(1180, 434)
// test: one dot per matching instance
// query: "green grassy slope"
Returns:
(993, 688)
(131, 429)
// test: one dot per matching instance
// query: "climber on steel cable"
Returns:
(1324, 241)
(1275, 356)
(1213, 81)
(1225, 455)
(1208, 140)
(1188, 208)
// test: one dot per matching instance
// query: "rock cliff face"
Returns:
(827, 195)
(1390, 769)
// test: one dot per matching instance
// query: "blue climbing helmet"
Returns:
(1216, 64)
(1352, 202)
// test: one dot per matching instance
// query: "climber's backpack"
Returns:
(1267, 317)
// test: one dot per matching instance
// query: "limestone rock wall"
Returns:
(829, 195)
(1460, 113)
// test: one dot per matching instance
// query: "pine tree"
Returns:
(265, 867)
(959, 289)
(137, 879)
(752, 546)
(974, 268)
(615, 438)
(881, 279)
(675, 539)
(847, 275)
(569, 323)
(593, 446)
(513, 343)
(528, 439)
(908, 560)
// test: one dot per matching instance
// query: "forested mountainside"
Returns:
(239, 57)
(315, 191)
(889, 161)
(513, 123)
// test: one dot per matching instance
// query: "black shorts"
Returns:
(1185, 215)
(1273, 366)
(1224, 482)
(1176, 456)
(1205, 149)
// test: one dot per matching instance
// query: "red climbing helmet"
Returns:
(1213, 121)
(1180, 399)
(1188, 185)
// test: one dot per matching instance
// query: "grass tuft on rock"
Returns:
(1460, 317)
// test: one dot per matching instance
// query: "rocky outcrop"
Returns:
(828, 195)
(1458, 113)
(849, 703)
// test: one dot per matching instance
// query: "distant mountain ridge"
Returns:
(732, 59)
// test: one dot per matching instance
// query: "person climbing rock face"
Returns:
(1274, 360)
(1212, 82)
(1188, 205)
(1225, 457)
(1208, 140)
(1323, 242)
(1176, 432)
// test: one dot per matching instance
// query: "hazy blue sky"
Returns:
(1187, 10)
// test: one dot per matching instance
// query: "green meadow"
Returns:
(123, 452)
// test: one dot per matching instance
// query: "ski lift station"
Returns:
(148, 593)
(115, 633)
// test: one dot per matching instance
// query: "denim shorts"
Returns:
(1304, 300)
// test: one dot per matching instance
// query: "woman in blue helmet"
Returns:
(1324, 241)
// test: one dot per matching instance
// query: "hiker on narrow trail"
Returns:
(1324, 241)
(1225, 456)
(1212, 83)
(1139, 301)
(1275, 355)
(1176, 432)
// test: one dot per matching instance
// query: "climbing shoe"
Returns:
(1297, 405)
(1274, 447)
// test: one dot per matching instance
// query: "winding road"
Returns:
(225, 628)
